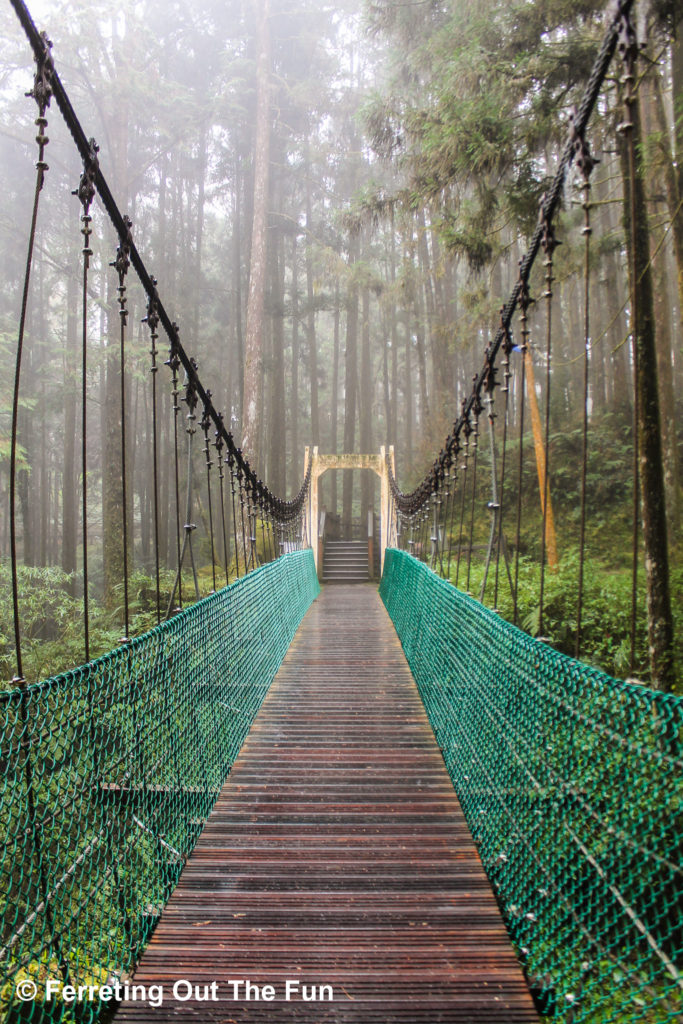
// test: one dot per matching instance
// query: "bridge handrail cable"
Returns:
(411, 502)
(282, 509)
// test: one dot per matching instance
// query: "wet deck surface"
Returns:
(337, 855)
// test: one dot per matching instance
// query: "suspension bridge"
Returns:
(349, 803)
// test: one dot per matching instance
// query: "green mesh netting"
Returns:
(110, 772)
(571, 784)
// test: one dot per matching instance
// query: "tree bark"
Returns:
(677, 191)
(350, 384)
(334, 398)
(277, 437)
(365, 396)
(310, 320)
(253, 343)
(392, 426)
(237, 289)
(666, 180)
(296, 459)
(408, 399)
(660, 621)
(112, 455)
(420, 349)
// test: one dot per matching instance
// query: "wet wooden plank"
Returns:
(336, 859)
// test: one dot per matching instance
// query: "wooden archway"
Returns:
(377, 463)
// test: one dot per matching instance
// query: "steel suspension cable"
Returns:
(494, 504)
(500, 540)
(551, 202)
(585, 163)
(190, 398)
(86, 194)
(152, 321)
(475, 435)
(525, 301)
(219, 445)
(548, 243)
(463, 500)
(121, 264)
(454, 489)
(244, 532)
(279, 506)
(41, 93)
(173, 362)
(231, 460)
(205, 424)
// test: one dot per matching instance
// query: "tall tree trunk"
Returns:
(418, 307)
(676, 192)
(660, 622)
(237, 288)
(392, 427)
(112, 455)
(408, 403)
(310, 321)
(434, 335)
(386, 383)
(199, 232)
(296, 458)
(350, 383)
(366, 391)
(277, 438)
(253, 344)
(667, 179)
(334, 398)
(421, 361)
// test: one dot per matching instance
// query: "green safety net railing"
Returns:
(571, 785)
(109, 774)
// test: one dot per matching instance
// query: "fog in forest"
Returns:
(334, 200)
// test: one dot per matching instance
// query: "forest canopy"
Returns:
(334, 199)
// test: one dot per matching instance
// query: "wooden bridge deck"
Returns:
(337, 855)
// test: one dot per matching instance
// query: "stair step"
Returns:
(346, 561)
(349, 576)
(345, 543)
(355, 570)
(345, 568)
(346, 579)
(352, 570)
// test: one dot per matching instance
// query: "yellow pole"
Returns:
(550, 537)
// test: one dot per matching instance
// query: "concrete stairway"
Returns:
(345, 561)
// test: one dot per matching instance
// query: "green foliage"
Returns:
(52, 616)
(606, 614)
(473, 104)
(606, 610)
(568, 781)
(123, 760)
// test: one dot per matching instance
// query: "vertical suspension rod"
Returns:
(118, 220)
(585, 163)
(42, 91)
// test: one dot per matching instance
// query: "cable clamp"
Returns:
(86, 186)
